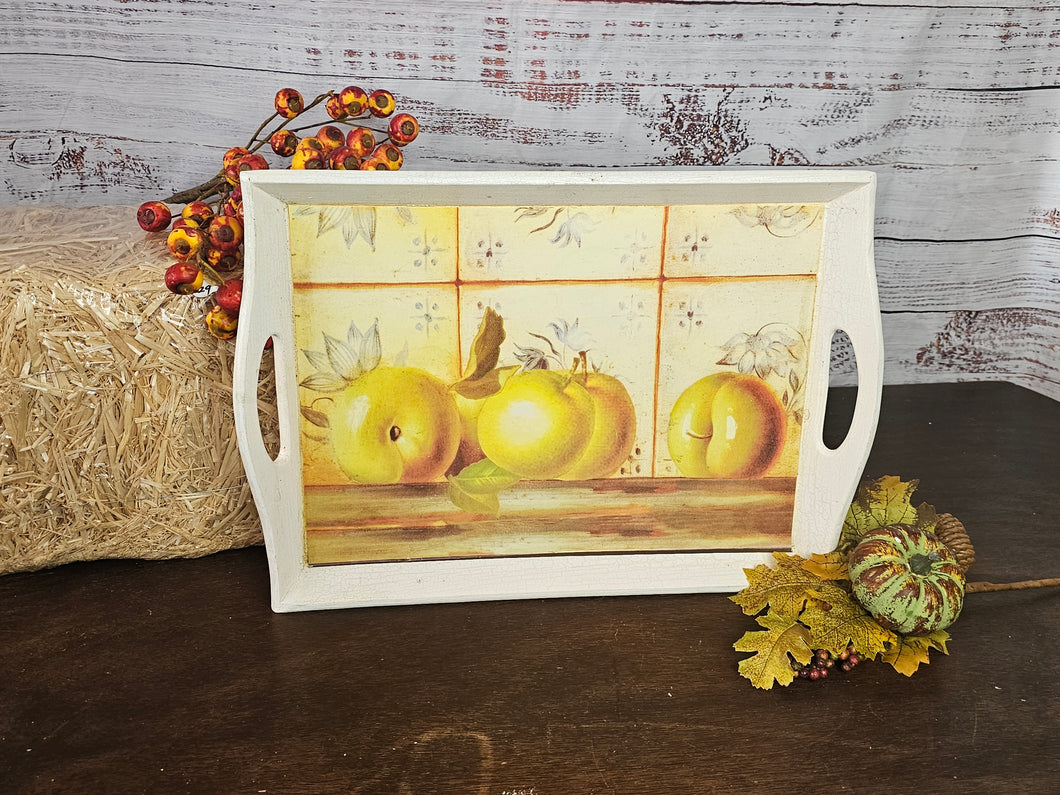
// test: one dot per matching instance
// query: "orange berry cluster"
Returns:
(207, 237)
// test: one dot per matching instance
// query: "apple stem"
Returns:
(578, 361)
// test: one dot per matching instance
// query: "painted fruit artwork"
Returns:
(495, 380)
(726, 425)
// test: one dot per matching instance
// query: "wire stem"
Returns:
(984, 587)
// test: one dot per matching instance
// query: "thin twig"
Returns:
(983, 587)
(207, 188)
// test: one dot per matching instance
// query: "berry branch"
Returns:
(206, 238)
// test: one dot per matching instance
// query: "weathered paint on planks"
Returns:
(954, 105)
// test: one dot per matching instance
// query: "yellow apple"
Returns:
(395, 425)
(614, 429)
(537, 425)
(470, 450)
(726, 425)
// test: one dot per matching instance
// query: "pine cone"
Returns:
(952, 533)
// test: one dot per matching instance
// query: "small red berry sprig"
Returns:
(823, 662)
(207, 237)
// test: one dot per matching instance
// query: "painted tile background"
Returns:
(659, 296)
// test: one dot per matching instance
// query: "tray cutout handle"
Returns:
(848, 302)
(267, 314)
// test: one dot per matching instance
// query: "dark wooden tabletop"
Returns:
(158, 677)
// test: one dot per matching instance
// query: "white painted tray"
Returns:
(650, 423)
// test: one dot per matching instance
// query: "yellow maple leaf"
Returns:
(926, 517)
(832, 566)
(878, 503)
(908, 653)
(783, 635)
(784, 588)
(836, 620)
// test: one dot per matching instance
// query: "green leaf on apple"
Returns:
(485, 477)
(473, 503)
(489, 384)
(476, 486)
(486, 347)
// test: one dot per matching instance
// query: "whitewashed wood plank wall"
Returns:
(956, 106)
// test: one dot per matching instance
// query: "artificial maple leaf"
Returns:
(907, 653)
(879, 503)
(783, 635)
(836, 620)
(926, 517)
(832, 566)
(784, 588)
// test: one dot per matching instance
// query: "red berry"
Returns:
(374, 163)
(336, 110)
(288, 103)
(198, 211)
(232, 208)
(389, 154)
(253, 163)
(248, 163)
(230, 295)
(354, 100)
(221, 324)
(361, 140)
(310, 143)
(183, 278)
(224, 261)
(153, 216)
(381, 103)
(403, 129)
(283, 142)
(225, 233)
(343, 158)
(309, 158)
(234, 155)
(185, 243)
(331, 136)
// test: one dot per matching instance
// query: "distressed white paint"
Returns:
(955, 106)
(845, 297)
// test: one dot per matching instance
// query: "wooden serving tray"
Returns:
(505, 385)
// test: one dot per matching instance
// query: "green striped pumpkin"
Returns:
(907, 579)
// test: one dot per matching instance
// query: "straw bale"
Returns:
(116, 425)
